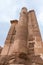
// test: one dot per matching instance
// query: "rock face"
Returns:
(23, 45)
(0, 49)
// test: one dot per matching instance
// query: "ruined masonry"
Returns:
(23, 45)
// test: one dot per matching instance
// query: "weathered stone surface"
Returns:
(0, 49)
(35, 24)
(23, 45)
(10, 38)
(21, 34)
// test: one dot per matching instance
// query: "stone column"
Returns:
(30, 43)
(35, 25)
(10, 38)
(36, 33)
(20, 43)
(30, 28)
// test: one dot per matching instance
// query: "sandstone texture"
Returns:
(23, 45)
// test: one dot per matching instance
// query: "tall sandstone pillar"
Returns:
(20, 42)
(35, 26)
(10, 38)
(36, 32)
(30, 40)
(30, 28)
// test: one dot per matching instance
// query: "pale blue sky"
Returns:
(10, 9)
